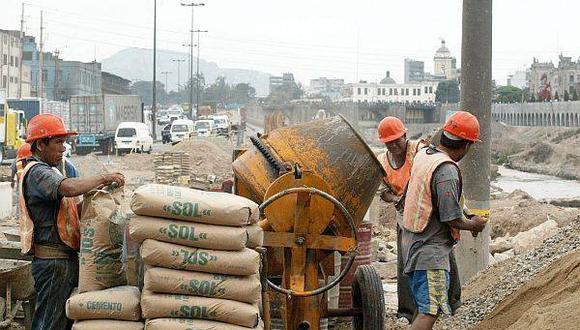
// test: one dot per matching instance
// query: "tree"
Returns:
(145, 90)
(508, 94)
(566, 96)
(447, 92)
(575, 95)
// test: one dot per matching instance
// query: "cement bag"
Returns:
(167, 255)
(188, 324)
(188, 233)
(156, 305)
(107, 325)
(102, 226)
(255, 236)
(239, 288)
(132, 260)
(119, 303)
(182, 203)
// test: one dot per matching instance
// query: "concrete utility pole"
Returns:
(154, 107)
(476, 46)
(192, 5)
(40, 64)
(178, 61)
(21, 53)
(197, 66)
(166, 73)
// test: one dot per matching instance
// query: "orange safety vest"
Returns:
(418, 202)
(67, 220)
(396, 179)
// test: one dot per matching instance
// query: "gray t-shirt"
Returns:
(430, 249)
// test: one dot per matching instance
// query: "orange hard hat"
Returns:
(46, 125)
(463, 125)
(23, 152)
(390, 129)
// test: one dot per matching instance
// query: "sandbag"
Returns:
(188, 324)
(157, 305)
(167, 255)
(255, 236)
(182, 203)
(107, 325)
(240, 288)
(103, 222)
(118, 303)
(188, 233)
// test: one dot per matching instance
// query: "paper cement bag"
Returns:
(255, 236)
(188, 324)
(118, 303)
(167, 255)
(240, 288)
(107, 325)
(103, 222)
(182, 203)
(156, 305)
(188, 233)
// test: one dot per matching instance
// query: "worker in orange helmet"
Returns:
(433, 217)
(49, 223)
(397, 161)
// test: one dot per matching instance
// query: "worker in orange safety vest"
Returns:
(49, 222)
(433, 216)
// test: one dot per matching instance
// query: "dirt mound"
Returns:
(520, 212)
(550, 301)
(134, 161)
(208, 158)
(89, 165)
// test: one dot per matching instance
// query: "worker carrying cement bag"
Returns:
(188, 324)
(103, 222)
(240, 288)
(108, 325)
(118, 303)
(188, 233)
(158, 305)
(182, 203)
(167, 255)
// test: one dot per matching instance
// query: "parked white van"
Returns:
(180, 129)
(205, 127)
(133, 136)
(222, 123)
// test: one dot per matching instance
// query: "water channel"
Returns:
(539, 186)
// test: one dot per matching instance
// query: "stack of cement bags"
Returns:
(201, 270)
(103, 300)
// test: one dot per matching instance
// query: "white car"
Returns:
(205, 127)
(133, 136)
(180, 129)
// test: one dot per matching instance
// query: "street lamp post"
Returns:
(197, 65)
(178, 61)
(154, 107)
(192, 5)
(166, 73)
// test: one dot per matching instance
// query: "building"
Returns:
(418, 92)
(113, 84)
(60, 79)
(330, 88)
(563, 79)
(388, 80)
(444, 64)
(519, 79)
(414, 70)
(14, 79)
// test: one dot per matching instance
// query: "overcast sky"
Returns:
(311, 38)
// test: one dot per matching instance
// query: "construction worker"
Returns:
(16, 168)
(49, 223)
(433, 216)
(397, 161)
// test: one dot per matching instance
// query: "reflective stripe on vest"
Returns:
(418, 200)
(67, 220)
(396, 179)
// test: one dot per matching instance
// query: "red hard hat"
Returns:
(390, 129)
(23, 152)
(464, 125)
(46, 125)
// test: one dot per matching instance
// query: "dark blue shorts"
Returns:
(430, 291)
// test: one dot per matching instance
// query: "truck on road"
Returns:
(96, 117)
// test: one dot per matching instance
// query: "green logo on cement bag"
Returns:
(196, 312)
(182, 232)
(194, 258)
(204, 288)
(186, 209)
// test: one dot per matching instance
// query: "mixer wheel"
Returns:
(368, 295)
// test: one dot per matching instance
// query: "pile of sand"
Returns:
(519, 212)
(207, 157)
(89, 165)
(134, 161)
(550, 301)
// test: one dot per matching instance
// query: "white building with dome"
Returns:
(444, 64)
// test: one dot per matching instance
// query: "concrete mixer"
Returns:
(314, 183)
